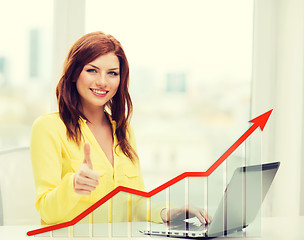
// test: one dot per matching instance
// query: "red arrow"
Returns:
(259, 121)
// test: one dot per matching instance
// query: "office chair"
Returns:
(17, 188)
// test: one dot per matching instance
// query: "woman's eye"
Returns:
(91, 70)
(113, 73)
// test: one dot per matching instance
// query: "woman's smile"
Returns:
(99, 92)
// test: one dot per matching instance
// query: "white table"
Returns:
(272, 229)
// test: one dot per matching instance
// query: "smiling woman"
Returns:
(90, 130)
(87, 149)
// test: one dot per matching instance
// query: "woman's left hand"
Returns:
(185, 212)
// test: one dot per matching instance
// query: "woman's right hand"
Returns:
(190, 211)
(86, 180)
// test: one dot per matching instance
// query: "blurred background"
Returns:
(199, 71)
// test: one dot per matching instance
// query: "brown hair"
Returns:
(85, 50)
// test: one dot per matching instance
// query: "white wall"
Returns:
(69, 22)
(278, 83)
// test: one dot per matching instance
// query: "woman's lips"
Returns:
(99, 92)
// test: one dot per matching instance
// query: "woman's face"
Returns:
(98, 81)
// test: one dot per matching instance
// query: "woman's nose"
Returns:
(101, 80)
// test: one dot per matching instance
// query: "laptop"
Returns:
(238, 207)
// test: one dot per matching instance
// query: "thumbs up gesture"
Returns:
(86, 180)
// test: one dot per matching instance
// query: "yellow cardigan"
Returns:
(55, 160)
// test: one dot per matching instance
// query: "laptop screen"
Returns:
(242, 199)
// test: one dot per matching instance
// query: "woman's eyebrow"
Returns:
(93, 66)
(99, 68)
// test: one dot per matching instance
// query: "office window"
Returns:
(25, 68)
(190, 77)
(176, 82)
